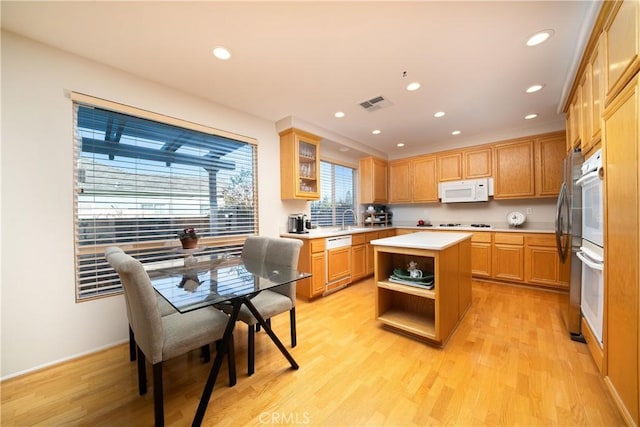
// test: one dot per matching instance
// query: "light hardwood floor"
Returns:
(510, 362)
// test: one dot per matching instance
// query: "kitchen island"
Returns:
(409, 306)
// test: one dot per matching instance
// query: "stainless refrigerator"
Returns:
(569, 238)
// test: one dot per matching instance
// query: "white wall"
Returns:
(41, 323)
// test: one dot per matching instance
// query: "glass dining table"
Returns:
(211, 280)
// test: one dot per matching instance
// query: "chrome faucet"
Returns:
(352, 213)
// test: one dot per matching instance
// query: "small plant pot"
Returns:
(189, 243)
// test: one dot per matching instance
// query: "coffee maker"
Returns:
(296, 223)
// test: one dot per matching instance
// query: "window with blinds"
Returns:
(140, 181)
(337, 194)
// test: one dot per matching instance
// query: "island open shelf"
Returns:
(429, 314)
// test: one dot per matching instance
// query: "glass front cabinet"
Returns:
(299, 165)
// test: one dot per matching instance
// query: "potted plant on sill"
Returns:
(189, 238)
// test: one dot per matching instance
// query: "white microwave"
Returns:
(469, 190)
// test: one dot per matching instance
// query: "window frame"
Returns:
(336, 212)
(160, 252)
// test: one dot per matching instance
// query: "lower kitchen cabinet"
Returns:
(541, 262)
(312, 259)
(358, 257)
(508, 256)
(481, 254)
(372, 235)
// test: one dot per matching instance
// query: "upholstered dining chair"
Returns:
(257, 253)
(159, 338)
(163, 305)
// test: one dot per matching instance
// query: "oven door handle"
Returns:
(591, 264)
(591, 176)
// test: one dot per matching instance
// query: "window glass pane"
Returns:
(336, 195)
(141, 181)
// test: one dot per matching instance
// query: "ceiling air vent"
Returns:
(376, 103)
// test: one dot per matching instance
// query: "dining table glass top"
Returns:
(215, 279)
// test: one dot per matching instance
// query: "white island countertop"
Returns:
(432, 240)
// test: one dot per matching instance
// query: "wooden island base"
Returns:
(429, 315)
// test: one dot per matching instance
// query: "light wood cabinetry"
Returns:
(338, 263)
(424, 182)
(508, 256)
(400, 179)
(431, 315)
(450, 166)
(358, 257)
(514, 170)
(623, 46)
(548, 165)
(541, 263)
(481, 250)
(477, 163)
(622, 250)
(299, 165)
(369, 236)
(312, 259)
(413, 180)
(574, 121)
(372, 175)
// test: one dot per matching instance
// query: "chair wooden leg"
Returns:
(158, 401)
(205, 351)
(132, 345)
(231, 362)
(142, 373)
(251, 350)
(292, 319)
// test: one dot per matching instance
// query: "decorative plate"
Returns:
(515, 218)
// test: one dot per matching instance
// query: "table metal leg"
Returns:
(217, 364)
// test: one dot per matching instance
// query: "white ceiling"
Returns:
(299, 62)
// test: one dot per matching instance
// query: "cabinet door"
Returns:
(597, 92)
(370, 260)
(400, 181)
(373, 180)
(318, 279)
(338, 263)
(481, 259)
(621, 178)
(550, 152)
(576, 119)
(514, 170)
(425, 181)
(586, 110)
(508, 262)
(299, 165)
(359, 262)
(477, 163)
(542, 266)
(450, 166)
(622, 35)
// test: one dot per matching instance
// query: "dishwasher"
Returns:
(338, 263)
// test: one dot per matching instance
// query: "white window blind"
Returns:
(140, 181)
(336, 195)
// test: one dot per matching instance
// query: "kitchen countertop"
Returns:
(527, 227)
(423, 240)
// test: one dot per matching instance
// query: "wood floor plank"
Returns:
(510, 362)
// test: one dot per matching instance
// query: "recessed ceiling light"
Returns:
(400, 144)
(439, 114)
(531, 116)
(339, 114)
(221, 52)
(413, 86)
(456, 132)
(376, 131)
(539, 37)
(534, 88)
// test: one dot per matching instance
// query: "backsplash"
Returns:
(494, 211)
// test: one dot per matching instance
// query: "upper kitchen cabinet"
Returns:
(299, 165)
(622, 45)
(550, 152)
(574, 121)
(477, 163)
(373, 180)
(450, 166)
(514, 170)
(400, 177)
(413, 180)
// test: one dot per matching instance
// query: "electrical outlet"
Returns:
(529, 211)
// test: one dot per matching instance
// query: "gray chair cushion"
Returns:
(268, 303)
